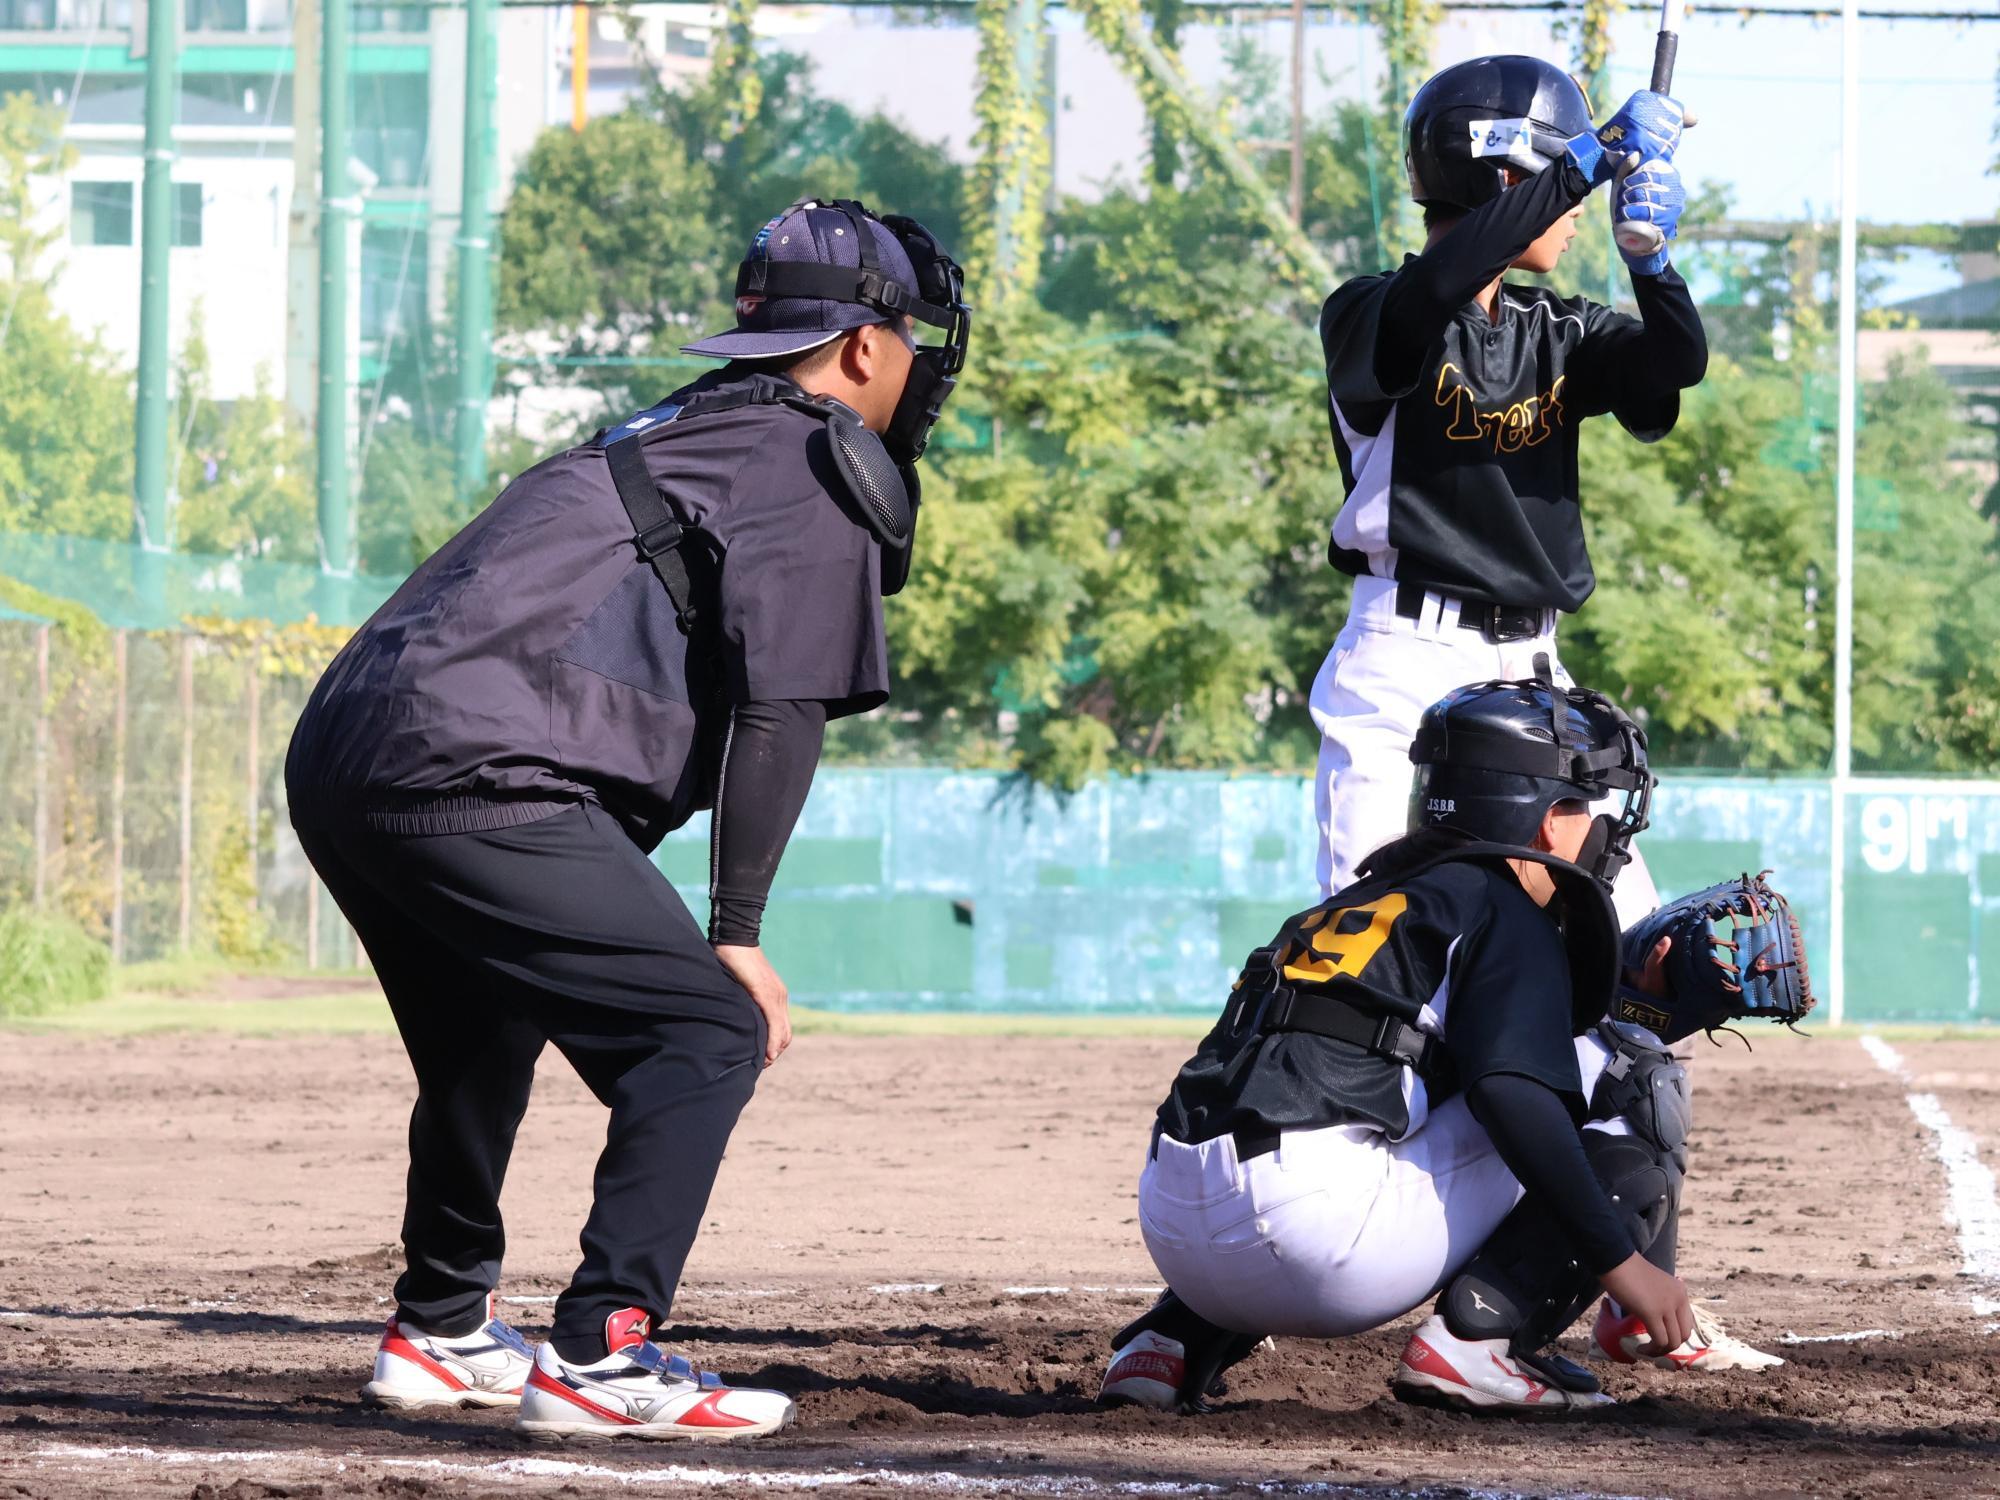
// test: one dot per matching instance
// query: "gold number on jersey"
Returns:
(1348, 952)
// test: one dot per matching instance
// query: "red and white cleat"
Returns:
(1439, 1369)
(1149, 1371)
(639, 1391)
(1712, 1347)
(414, 1369)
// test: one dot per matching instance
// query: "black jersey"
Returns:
(1458, 950)
(535, 661)
(1457, 433)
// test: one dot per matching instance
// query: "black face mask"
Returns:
(887, 491)
(934, 367)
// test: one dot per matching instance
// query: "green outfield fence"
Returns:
(141, 791)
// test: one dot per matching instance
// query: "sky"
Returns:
(1766, 93)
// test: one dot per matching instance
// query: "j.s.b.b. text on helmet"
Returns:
(1439, 807)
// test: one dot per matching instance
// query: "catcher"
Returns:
(1413, 1092)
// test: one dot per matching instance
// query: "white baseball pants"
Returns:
(1368, 699)
(1337, 1231)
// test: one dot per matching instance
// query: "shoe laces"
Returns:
(509, 1338)
(1708, 1328)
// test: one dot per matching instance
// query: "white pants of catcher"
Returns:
(1367, 701)
(1337, 1231)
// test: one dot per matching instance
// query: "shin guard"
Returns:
(1525, 1284)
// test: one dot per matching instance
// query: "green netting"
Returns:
(129, 588)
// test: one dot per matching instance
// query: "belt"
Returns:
(1496, 622)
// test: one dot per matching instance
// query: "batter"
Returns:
(1456, 400)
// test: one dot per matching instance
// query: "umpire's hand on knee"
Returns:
(1655, 1298)
(749, 968)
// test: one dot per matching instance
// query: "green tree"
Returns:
(60, 394)
(244, 469)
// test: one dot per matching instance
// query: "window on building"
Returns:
(100, 213)
(187, 215)
(404, 18)
(216, 15)
(391, 119)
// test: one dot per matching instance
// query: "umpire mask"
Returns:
(930, 290)
(934, 369)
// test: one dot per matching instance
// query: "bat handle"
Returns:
(1664, 52)
(1638, 239)
(1633, 236)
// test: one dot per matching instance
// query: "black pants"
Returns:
(488, 945)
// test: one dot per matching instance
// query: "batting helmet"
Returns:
(1493, 757)
(1476, 118)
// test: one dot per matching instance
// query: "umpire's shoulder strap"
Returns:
(660, 529)
(657, 526)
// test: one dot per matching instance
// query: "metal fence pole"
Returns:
(120, 656)
(41, 767)
(475, 250)
(1843, 506)
(187, 794)
(153, 461)
(338, 207)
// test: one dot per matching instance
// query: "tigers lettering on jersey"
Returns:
(1466, 481)
(1517, 424)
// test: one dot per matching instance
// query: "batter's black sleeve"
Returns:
(767, 769)
(1538, 1140)
(1378, 330)
(1636, 368)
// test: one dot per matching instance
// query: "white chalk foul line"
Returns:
(1858, 1336)
(936, 1481)
(933, 1481)
(1972, 1206)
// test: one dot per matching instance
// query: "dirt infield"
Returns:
(927, 1239)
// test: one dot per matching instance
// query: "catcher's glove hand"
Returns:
(1757, 971)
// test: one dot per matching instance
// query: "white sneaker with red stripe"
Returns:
(1439, 1369)
(1149, 1371)
(1712, 1347)
(413, 1369)
(639, 1391)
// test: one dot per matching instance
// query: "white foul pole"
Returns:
(1843, 628)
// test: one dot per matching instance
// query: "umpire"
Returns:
(659, 620)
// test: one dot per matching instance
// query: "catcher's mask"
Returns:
(1493, 757)
(1474, 120)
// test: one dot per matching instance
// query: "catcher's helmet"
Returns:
(1493, 757)
(1476, 118)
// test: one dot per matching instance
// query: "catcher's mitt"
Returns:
(1757, 971)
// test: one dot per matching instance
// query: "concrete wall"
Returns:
(962, 891)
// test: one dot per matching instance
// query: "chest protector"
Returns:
(883, 495)
(1385, 1025)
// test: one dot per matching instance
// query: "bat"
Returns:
(1646, 239)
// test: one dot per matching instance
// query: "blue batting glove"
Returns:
(1648, 125)
(1650, 193)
